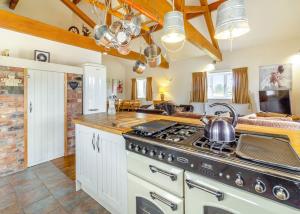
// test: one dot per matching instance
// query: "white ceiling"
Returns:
(269, 20)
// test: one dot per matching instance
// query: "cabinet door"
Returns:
(112, 173)
(87, 159)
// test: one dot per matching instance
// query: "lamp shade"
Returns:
(174, 34)
(232, 21)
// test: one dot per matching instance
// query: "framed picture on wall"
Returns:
(41, 56)
(275, 77)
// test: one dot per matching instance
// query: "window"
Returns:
(219, 85)
(141, 88)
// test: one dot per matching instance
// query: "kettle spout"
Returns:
(205, 120)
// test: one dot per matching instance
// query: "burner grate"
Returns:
(227, 148)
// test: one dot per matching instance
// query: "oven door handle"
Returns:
(191, 184)
(154, 169)
(172, 205)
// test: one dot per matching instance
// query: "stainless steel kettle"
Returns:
(219, 129)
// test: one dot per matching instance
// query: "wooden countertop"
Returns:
(123, 121)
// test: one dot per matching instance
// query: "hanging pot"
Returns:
(153, 55)
(124, 50)
(122, 36)
(139, 67)
(133, 24)
(103, 36)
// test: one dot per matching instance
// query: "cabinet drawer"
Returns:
(163, 175)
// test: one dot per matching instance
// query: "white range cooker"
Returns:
(172, 168)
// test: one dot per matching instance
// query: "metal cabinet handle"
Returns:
(191, 184)
(93, 141)
(98, 140)
(154, 196)
(30, 107)
(154, 169)
(93, 109)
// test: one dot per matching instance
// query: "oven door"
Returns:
(145, 198)
(206, 196)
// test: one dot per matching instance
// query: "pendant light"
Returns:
(232, 21)
(174, 34)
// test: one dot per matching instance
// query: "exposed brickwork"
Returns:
(74, 104)
(11, 122)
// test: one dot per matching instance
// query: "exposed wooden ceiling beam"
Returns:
(193, 9)
(149, 41)
(79, 13)
(13, 4)
(211, 7)
(209, 23)
(76, 1)
(157, 13)
(32, 27)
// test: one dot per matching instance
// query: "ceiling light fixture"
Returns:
(211, 66)
(232, 21)
(174, 34)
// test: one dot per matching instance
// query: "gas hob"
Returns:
(184, 146)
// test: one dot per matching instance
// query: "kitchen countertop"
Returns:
(123, 121)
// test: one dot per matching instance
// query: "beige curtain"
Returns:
(149, 89)
(240, 91)
(133, 89)
(199, 91)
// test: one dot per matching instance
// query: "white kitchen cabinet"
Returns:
(101, 167)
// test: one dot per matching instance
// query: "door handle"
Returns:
(155, 196)
(97, 143)
(93, 141)
(30, 107)
(93, 109)
(154, 169)
(191, 184)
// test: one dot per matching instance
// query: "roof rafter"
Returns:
(157, 14)
(211, 7)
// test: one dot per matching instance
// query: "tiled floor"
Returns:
(44, 189)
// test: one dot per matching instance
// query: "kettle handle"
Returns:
(235, 117)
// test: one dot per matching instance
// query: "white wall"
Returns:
(178, 78)
(115, 70)
(23, 46)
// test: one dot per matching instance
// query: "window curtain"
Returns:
(199, 90)
(240, 91)
(149, 89)
(133, 89)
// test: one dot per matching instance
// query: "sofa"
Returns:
(165, 108)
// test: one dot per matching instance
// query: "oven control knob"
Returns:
(161, 155)
(137, 148)
(281, 193)
(144, 150)
(239, 180)
(260, 187)
(152, 153)
(130, 146)
(170, 158)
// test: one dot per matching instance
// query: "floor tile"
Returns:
(55, 180)
(63, 189)
(45, 173)
(72, 200)
(6, 189)
(22, 177)
(59, 210)
(13, 209)
(8, 200)
(29, 197)
(89, 206)
(45, 205)
(28, 185)
(4, 181)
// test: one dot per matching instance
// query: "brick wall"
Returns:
(74, 105)
(11, 120)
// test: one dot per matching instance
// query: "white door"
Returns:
(45, 116)
(94, 89)
(87, 159)
(112, 182)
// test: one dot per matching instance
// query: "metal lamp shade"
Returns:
(174, 34)
(232, 21)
